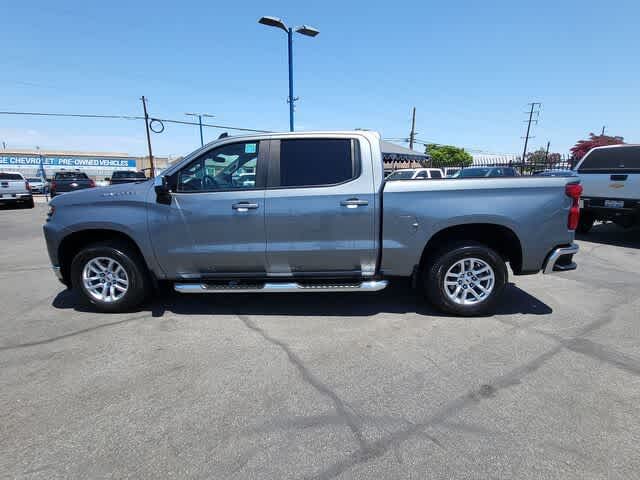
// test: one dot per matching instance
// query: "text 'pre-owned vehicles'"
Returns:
(15, 189)
(316, 217)
(64, 182)
(611, 180)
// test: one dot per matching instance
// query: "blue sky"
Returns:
(469, 67)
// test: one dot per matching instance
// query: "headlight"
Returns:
(51, 211)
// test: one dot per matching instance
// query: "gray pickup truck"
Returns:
(317, 217)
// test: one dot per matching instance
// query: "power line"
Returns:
(132, 117)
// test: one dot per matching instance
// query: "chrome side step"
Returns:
(276, 287)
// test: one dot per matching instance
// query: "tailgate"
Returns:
(611, 185)
(11, 187)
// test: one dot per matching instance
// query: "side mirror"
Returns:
(163, 190)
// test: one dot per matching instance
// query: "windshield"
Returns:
(10, 176)
(614, 158)
(34, 180)
(129, 175)
(401, 175)
(71, 176)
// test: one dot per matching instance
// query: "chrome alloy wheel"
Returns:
(105, 279)
(469, 281)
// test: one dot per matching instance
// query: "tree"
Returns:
(540, 156)
(581, 147)
(448, 156)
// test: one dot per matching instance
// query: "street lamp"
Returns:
(303, 30)
(200, 115)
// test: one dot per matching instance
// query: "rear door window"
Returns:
(619, 159)
(316, 162)
(436, 174)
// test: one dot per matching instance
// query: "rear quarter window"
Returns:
(620, 159)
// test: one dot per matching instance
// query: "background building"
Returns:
(97, 165)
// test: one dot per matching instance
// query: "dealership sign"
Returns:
(27, 161)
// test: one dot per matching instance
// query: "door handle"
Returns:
(244, 206)
(354, 203)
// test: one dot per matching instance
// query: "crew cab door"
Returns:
(214, 226)
(320, 207)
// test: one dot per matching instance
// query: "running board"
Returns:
(367, 286)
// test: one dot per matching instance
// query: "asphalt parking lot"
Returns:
(325, 385)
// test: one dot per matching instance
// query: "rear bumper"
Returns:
(560, 259)
(17, 197)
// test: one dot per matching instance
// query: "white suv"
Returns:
(416, 174)
(610, 178)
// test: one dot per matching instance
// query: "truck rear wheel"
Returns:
(585, 223)
(465, 279)
(110, 276)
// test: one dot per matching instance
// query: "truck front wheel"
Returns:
(465, 279)
(110, 276)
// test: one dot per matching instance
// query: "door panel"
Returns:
(327, 230)
(214, 225)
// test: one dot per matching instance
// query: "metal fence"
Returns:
(530, 167)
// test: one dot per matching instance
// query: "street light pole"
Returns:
(200, 115)
(303, 30)
(291, 98)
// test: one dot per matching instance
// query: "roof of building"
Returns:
(396, 157)
(63, 153)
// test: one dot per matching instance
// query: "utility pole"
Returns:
(527, 136)
(546, 154)
(412, 135)
(603, 127)
(152, 170)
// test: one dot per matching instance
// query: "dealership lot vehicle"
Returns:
(64, 182)
(15, 190)
(611, 179)
(322, 386)
(416, 174)
(126, 176)
(486, 172)
(319, 218)
(37, 184)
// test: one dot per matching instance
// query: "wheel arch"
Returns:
(498, 237)
(74, 242)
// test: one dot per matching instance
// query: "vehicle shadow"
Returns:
(611, 234)
(397, 298)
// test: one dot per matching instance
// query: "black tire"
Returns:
(585, 223)
(29, 203)
(434, 278)
(138, 277)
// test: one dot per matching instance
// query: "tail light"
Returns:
(92, 183)
(53, 185)
(27, 186)
(573, 191)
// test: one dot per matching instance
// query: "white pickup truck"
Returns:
(15, 189)
(610, 178)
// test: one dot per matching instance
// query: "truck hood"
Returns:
(102, 194)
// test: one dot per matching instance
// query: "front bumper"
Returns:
(561, 259)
